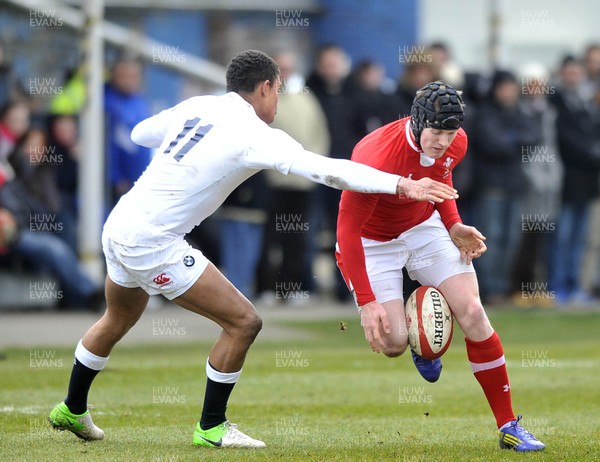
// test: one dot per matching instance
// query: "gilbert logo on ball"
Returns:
(429, 322)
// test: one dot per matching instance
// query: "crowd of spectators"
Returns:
(39, 155)
(530, 177)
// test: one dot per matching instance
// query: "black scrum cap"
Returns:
(436, 105)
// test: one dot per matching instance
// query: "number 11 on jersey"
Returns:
(187, 127)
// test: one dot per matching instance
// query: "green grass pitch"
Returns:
(321, 399)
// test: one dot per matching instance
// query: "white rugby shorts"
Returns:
(169, 270)
(427, 252)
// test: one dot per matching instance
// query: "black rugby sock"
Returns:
(219, 386)
(79, 386)
(215, 403)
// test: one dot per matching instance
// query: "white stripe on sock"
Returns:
(221, 377)
(478, 367)
(89, 359)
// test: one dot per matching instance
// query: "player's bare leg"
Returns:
(124, 308)
(396, 341)
(214, 297)
(486, 357)
(462, 294)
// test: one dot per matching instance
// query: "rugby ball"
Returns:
(429, 322)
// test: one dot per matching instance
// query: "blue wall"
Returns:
(374, 29)
(184, 31)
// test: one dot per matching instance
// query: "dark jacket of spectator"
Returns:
(62, 138)
(578, 131)
(15, 198)
(36, 172)
(500, 135)
(403, 99)
(248, 201)
(347, 123)
(376, 105)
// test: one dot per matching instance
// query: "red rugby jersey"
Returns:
(383, 217)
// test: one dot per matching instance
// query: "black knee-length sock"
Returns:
(215, 403)
(79, 386)
(219, 386)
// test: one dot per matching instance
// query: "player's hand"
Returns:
(372, 317)
(468, 240)
(425, 189)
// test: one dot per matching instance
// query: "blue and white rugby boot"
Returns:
(429, 369)
(516, 437)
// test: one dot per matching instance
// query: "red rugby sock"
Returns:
(488, 366)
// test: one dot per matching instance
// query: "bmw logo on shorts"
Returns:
(188, 261)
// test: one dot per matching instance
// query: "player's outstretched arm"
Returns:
(353, 176)
(344, 174)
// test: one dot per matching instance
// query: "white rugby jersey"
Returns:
(208, 145)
